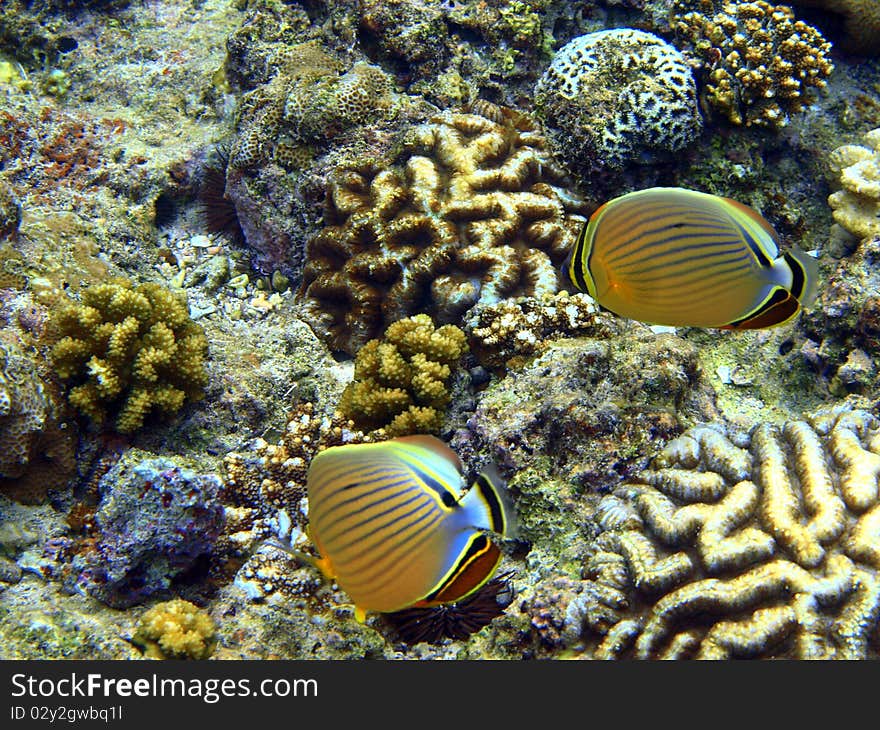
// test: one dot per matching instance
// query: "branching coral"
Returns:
(401, 381)
(857, 205)
(176, 629)
(861, 22)
(473, 212)
(615, 97)
(129, 351)
(770, 548)
(761, 64)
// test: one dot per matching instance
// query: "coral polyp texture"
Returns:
(128, 351)
(401, 381)
(861, 23)
(616, 97)
(857, 205)
(176, 629)
(473, 210)
(760, 64)
(765, 545)
(309, 100)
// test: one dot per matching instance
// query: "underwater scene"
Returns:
(439, 329)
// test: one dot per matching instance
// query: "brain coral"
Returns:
(857, 206)
(617, 96)
(400, 381)
(767, 545)
(473, 211)
(128, 351)
(761, 64)
(861, 22)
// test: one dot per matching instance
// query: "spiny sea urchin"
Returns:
(216, 210)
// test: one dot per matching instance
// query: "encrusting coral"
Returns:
(474, 211)
(401, 381)
(767, 545)
(761, 65)
(176, 629)
(507, 333)
(128, 351)
(616, 97)
(857, 205)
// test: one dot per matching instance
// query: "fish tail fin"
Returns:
(488, 496)
(805, 275)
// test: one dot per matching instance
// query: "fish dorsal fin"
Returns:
(771, 246)
(432, 443)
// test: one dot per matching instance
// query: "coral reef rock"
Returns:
(156, 518)
(176, 629)
(857, 205)
(733, 545)
(473, 211)
(761, 64)
(401, 381)
(36, 451)
(129, 350)
(616, 97)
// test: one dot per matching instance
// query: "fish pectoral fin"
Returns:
(326, 568)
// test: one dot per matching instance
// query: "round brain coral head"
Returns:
(129, 351)
(473, 210)
(617, 97)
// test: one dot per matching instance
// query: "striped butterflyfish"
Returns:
(679, 257)
(395, 528)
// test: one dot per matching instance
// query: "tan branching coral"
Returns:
(857, 206)
(176, 629)
(761, 65)
(473, 211)
(401, 381)
(766, 548)
(861, 23)
(129, 351)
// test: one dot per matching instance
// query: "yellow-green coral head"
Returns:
(395, 527)
(129, 351)
(682, 258)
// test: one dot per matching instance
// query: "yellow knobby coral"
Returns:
(401, 382)
(861, 23)
(857, 206)
(772, 550)
(176, 629)
(129, 351)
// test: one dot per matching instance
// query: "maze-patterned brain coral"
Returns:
(615, 97)
(769, 548)
(473, 211)
(762, 65)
